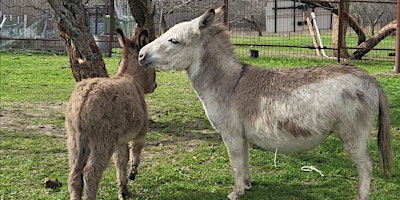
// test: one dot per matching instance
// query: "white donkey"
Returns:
(288, 110)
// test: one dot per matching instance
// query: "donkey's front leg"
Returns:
(121, 157)
(136, 147)
(238, 150)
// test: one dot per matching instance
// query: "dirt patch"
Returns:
(38, 118)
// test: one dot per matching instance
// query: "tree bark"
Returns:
(352, 22)
(70, 22)
(344, 53)
(368, 45)
(143, 13)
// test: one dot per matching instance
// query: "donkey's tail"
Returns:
(78, 154)
(384, 134)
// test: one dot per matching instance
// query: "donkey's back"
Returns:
(109, 104)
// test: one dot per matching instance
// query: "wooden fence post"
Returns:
(340, 31)
(397, 59)
(111, 33)
(226, 13)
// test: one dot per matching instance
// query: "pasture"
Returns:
(184, 158)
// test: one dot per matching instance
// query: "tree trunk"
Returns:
(70, 22)
(142, 11)
(352, 22)
(366, 46)
(335, 33)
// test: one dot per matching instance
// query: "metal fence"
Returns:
(297, 28)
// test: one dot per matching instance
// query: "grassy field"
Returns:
(184, 158)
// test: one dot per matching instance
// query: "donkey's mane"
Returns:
(218, 35)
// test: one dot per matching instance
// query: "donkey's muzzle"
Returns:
(142, 59)
(154, 87)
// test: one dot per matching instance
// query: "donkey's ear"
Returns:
(207, 19)
(121, 37)
(143, 38)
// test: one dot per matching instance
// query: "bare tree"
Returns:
(253, 14)
(70, 21)
(143, 12)
(369, 15)
(169, 10)
(255, 24)
(367, 45)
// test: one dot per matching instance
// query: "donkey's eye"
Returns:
(174, 41)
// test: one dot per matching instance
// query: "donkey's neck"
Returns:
(129, 64)
(129, 69)
(215, 72)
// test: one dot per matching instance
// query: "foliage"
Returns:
(184, 158)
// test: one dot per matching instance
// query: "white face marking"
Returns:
(178, 48)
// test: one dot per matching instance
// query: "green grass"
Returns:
(184, 158)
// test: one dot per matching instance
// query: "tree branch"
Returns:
(368, 45)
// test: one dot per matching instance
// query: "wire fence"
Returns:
(305, 28)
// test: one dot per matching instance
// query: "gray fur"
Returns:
(288, 110)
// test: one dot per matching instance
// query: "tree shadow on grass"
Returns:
(186, 131)
(279, 191)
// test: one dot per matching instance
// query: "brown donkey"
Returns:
(103, 115)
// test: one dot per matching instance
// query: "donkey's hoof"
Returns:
(124, 195)
(132, 176)
(233, 196)
(247, 186)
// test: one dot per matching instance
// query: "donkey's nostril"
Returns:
(141, 56)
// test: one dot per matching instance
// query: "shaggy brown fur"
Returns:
(102, 116)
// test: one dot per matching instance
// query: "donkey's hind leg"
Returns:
(121, 157)
(136, 147)
(356, 144)
(98, 160)
(362, 159)
(75, 180)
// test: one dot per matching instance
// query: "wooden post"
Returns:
(311, 29)
(111, 33)
(340, 31)
(275, 16)
(397, 59)
(226, 14)
(25, 26)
